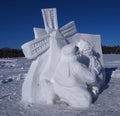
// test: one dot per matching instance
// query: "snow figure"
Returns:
(86, 49)
(56, 75)
(94, 66)
(69, 83)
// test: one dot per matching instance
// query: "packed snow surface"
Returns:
(13, 72)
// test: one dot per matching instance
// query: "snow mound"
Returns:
(116, 73)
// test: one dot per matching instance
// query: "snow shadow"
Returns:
(108, 72)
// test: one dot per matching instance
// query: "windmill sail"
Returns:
(35, 47)
(68, 30)
(41, 42)
(50, 19)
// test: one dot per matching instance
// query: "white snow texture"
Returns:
(116, 73)
(65, 64)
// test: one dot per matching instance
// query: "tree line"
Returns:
(8, 52)
(111, 49)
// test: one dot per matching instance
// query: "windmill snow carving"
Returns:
(67, 66)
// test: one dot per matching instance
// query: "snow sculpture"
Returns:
(59, 71)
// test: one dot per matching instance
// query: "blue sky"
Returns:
(18, 17)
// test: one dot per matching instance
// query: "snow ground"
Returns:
(13, 72)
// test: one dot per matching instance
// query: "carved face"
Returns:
(85, 47)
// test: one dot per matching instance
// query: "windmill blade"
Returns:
(39, 32)
(36, 47)
(50, 19)
(68, 30)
